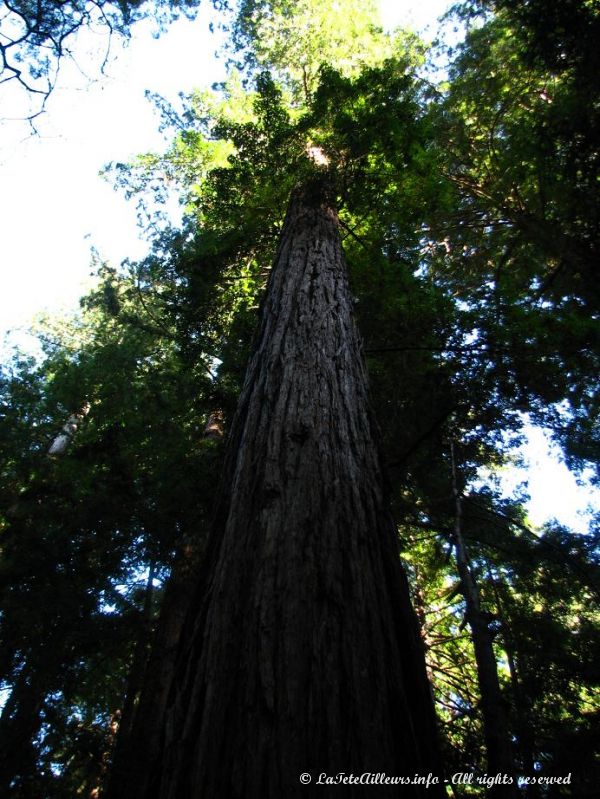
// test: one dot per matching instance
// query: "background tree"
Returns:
(88, 536)
(524, 232)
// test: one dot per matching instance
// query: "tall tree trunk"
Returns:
(495, 726)
(301, 652)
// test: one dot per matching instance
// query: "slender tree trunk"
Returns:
(421, 613)
(135, 682)
(495, 726)
(301, 653)
(139, 740)
(20, 721)
(524, 729)
(138, 750)
(61, 443)
(100, 768)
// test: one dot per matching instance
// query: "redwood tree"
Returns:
(301, 652)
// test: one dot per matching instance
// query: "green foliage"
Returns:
(293, 40)
(518, 238)
(80, 530)
(470, 226)
(541, 596)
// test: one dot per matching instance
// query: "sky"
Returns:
(555, 493)
(54, 206)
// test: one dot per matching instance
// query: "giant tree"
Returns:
(445, 279)
(301, 653)
(300, 647)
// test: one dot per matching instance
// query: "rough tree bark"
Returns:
(301, 652)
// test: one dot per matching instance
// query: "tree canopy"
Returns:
(468, 213)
